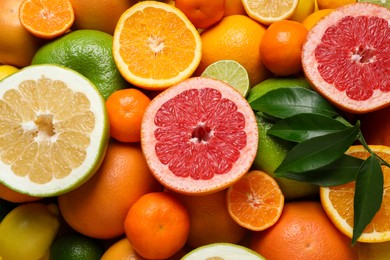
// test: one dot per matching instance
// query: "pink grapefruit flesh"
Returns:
(346, 57)
(199, 136)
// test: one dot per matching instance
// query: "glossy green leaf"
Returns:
(341, 171)
(286, 102)
(318, 152)
(305, 126)
(368, 195)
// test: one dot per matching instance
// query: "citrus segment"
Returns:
(53, 130)
(255, 201)
(199, 136)
(345, 56)
(338, 201)
(155, 45)
(269, 11)
(46, 18)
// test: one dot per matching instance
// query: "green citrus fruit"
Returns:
(90, 53)
(28, 230)
(385, 3)
(54, 130)
(76, 246)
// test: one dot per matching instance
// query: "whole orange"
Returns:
(13, 196)
(304, 231)
(98, 208)
(202, 13)
(233, 7)
(99, 15)
(235, 37)
(121, 250)
(17, 45)
(375, 126)
(125, 109)
(157, 225)
(281, 47)
(210, 219)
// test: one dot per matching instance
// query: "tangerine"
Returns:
(233, 7)
(14, 196)
(375, 127)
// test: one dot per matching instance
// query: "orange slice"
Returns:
(155, 45)
(338, 201)
(46, 18)
(269, 11)
(255, 201)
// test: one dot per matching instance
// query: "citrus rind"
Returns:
(54, 130)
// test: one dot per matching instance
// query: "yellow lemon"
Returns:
(6, 70)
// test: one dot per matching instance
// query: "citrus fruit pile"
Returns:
(194, 129)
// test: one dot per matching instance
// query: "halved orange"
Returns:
(337, 201)
(46, 18)
(255, 202)
(155, 45)
(269, 11)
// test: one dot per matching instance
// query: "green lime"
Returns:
(231, 72)
(385, 3)
(226, 251)
(76, 246)
(88, 52)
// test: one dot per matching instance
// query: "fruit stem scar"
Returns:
(363, 54)
(156, 44)
(201, 133)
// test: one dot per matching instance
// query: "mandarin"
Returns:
(375, 126)
(125, 109)
(157, 225)
(235, 37)
(326, 4)
(121, 250)
(281, 47)
(233, 7)
(313, 18)
(14, 196)
(303, 232)
(202, 13)
(98, 208)
(210, 219)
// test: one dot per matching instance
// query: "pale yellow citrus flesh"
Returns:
(338, 202)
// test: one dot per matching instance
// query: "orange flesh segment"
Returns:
(158, 51)
(255, 201)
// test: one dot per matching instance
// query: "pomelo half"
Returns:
(53, 130)
(199, 136)
(346, 57)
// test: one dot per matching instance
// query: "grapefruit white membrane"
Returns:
(53, 130)
(346, 57)
(199, 136)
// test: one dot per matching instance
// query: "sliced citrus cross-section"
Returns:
(255, 201)
(345, 57)
(155, 45)
(53, 130)
(338, 201)
(199, 136)
(46, 18)
(269, 11)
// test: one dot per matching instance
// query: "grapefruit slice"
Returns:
(346, 57)
(53, 130)
(199, 136)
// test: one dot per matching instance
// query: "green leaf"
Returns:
(286, 102)
(305, 126)
(368, 195)
(341, 171)
(319, 151)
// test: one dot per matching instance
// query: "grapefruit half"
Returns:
(199, 136)
(346, 57)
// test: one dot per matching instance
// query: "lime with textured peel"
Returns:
(199, 136)
(54, 130)
(88, 52)
(226, 251)
(76, 246)
(231, 72)
(28, 230)
(385, 3)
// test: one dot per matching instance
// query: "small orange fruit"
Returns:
(98, 208)
(210, 221)
(121, 250)
(235, 37)
(233, 7)
(46, 18)
(313, 18)
(125, 109)
(303, 232)
(281, 47)
(13, 196)
(155, 45)
(375, 126)
(202, 13)
(255, 201)
(157, 225)
(338, 201)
